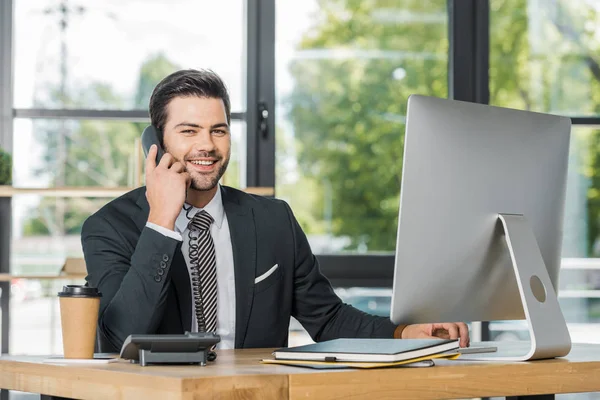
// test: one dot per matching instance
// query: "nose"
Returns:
(204, 142)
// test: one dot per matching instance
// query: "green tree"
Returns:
(153, 70)
(349, 105)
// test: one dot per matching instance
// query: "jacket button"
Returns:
(163, 264)
(160, 272)
(157, 278)
(165, 257)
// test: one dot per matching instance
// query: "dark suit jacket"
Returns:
(145, 284)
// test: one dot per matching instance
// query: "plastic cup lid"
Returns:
(79, 291)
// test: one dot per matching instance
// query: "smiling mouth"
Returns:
(202, 166)
(205, 163)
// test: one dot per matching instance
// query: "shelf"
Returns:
(580, 263)
(579, 293)
(9, 191)
(9, 277)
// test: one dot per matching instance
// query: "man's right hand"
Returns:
(166, 188)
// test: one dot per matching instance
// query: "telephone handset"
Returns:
(150, 137)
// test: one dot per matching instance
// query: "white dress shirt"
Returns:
(219, 230)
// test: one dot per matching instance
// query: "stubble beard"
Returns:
(201, 182)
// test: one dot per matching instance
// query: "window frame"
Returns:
(6, 124)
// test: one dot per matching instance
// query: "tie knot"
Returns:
(201, 221)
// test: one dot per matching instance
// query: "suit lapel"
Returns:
(243, 241)
(179, 272)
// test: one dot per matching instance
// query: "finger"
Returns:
(452, 330)
(427, 328)
(424, 335)
(177, 167)
(166, 160)
(151, 158)
(441, 333)
(465, 340)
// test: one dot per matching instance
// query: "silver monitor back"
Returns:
(464, 164)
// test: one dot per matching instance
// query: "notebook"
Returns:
(349, 365)
(427, 361)
(367, 350)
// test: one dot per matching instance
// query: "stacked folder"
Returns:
(367, 353)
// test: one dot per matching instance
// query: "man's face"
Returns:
(196, 133)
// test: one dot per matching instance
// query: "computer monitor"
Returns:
(482, 201)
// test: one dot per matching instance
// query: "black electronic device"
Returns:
(189, 348)
(150, 137)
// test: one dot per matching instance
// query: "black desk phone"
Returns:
(189, 348)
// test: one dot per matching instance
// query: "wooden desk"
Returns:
(237, 374)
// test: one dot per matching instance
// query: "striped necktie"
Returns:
(204, 271)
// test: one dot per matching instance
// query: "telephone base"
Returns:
(147, 357)
(190, 348)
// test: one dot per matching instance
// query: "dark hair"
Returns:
(185, 83)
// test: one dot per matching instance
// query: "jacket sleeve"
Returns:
(133, 281)
(319, 309)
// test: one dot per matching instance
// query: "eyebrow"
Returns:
(191, 125)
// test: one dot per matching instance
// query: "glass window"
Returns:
(579, 285)
(344, 71)
(35, 316)
(99, 153)
(235, 176)
(544, 55)
(111, 54)
(46, 230)
(581, 231)
(57, 153)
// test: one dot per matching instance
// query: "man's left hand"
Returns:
(447, 330)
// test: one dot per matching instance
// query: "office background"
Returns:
(319, 91)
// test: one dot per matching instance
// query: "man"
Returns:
(186, 254)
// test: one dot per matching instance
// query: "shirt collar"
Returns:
(214, 208)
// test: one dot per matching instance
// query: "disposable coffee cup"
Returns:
(79, 306)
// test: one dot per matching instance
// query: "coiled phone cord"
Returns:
(194, 253)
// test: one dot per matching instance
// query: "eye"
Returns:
(187, 131)
(219, 132)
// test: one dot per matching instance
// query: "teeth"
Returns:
(203, 162)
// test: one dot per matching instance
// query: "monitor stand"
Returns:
(548, 331)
